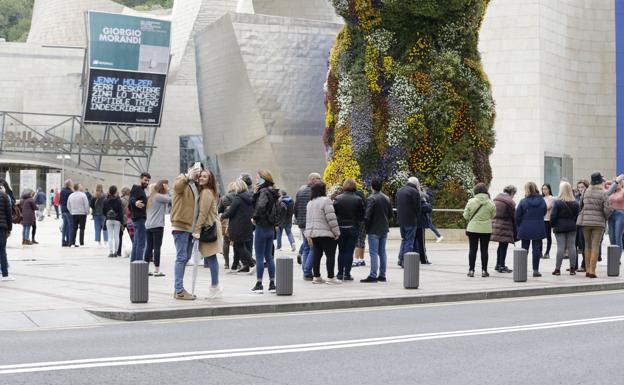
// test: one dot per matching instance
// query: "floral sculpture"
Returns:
(406, 95)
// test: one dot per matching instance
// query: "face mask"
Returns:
(261, 181)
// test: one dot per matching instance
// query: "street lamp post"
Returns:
(62, 158)
(123, 170)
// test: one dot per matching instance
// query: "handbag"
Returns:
(208, 234)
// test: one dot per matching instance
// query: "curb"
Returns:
(246, 309)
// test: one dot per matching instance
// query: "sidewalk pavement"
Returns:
(62, 287)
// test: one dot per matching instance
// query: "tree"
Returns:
(15, 18)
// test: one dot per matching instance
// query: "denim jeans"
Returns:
(26, 232)
(184, 248)
(408, 233)
(289, 234)
(537, 250)
(212, 263)
(4, 262)
(263, 244)
(378, 257)
(616, 227)
(138, 244)
(113, 227)
(346, 247)
(98, 221)
(68, 226)
(307, 259)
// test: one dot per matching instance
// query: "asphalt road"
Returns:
(548, 340)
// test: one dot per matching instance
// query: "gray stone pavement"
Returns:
(59, 287)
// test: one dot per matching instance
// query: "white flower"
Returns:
(381, 39)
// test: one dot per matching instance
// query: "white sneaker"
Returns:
(6, 279)
(318, 280)
(293, 247)
(190, 263)
(333, 281)
(215, 292)
(440, 239)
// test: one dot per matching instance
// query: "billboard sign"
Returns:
(124, 97)
(128, 59)
(128, 43)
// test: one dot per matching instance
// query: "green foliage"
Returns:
(15, 15)
(15, 18)
(413, 65)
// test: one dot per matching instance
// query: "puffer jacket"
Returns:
(563, 216)
(504, 223)
(301, 203)
(595, 207)
(239, 213)
(321, 219)
(479, 211)
(6, 221)
(263, 201)
(530, 218)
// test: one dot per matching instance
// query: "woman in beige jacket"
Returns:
(322, 232)
(207, 217)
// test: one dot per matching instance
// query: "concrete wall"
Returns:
(552, 69)
(261, 94)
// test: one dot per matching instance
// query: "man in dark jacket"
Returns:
(67, 218)
(286, 222)
(349, 209)
(377, 220)
(301, 204)
(138, 202)
(6, 225)
(408, 206)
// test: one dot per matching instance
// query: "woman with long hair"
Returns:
(550, 200)
(322, 231)
(113, 210)
(99, 216)
(563, 219)
(530, 220)
(207, 218)
(225, 202)
(157, 203)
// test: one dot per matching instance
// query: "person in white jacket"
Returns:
(322, 232)
(78, 206)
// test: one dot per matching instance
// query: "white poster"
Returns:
(53, 182)
(28, 180)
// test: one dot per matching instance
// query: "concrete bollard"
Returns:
(411, 270)
(520, 265)
(284, 276)
(139, 283)
(613, 263)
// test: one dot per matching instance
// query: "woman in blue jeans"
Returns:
(99, 217)
(530, 221)
(264, 200)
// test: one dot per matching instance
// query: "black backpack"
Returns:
(277, 210)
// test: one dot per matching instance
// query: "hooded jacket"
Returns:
(481, 209)
(530, 218)
(290, 209)
(504, 223)
(239, 213)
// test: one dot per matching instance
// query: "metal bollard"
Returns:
(411, 270)
(520, 265)
(139, 283)
(613, 263)
(284, 276)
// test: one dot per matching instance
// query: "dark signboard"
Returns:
(122, 97)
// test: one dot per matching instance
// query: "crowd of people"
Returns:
(250, 216)
(577, 217)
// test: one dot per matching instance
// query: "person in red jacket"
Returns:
(56, 201)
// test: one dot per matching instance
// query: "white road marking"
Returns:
(282, 349)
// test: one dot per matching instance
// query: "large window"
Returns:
(557, 168)
(191, 150)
